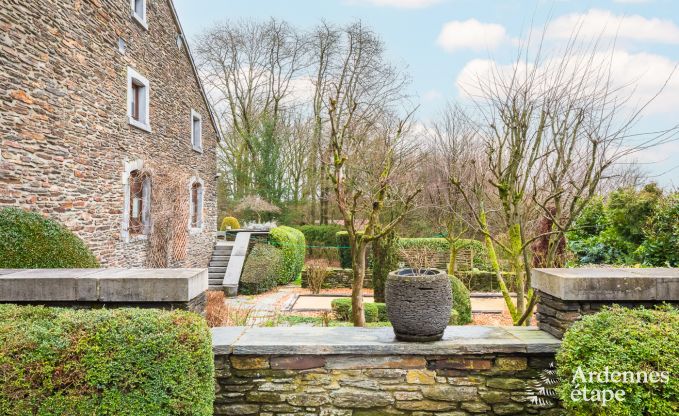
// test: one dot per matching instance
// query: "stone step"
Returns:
(219, 263)
(215, 287)
(217, 270)
(220, 258)
(215, 282)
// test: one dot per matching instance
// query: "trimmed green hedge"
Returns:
(374, 312)
(262, 269)
(342, 239)
(622, 340)
(320, 235)
(57, 361)
(462, 303)
(480, 260)
(292, 244)
(29, 241)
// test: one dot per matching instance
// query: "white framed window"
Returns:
(136, 221)
(138, 89)
(139, 12)
(196, 131)
(196, 191)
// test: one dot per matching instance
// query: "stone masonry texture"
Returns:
(555, 315)
(64, 131)
(451, 385)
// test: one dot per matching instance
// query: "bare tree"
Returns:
(552, 130)
(249, 69)
(368, 147)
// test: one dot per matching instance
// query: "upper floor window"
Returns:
(196, 131)
(139, 11)
(140, 188)
(138, 100)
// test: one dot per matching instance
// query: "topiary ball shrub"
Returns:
(229, 223)
(627, 341)
(462, 303)
(374, 312)
(292, 244)
(56, 361)
(261, 271)
(30, 241)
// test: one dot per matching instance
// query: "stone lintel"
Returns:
(102, 285)
(457, 340)
(609, 284)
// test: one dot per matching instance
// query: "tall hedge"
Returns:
(132, 362)
(479, 261)
(30, 241)
(292, 244)
(624, 341)
(262, 269)
(320, 235)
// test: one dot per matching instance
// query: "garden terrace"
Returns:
(337, 371)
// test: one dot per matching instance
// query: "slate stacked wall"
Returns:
(453, 385)
(64, 131)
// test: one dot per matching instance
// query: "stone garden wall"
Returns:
(358, 371)
(566, 295)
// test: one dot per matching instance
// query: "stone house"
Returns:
(100, 100)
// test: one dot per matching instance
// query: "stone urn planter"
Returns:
(418, 303)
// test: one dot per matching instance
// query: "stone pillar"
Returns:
(565, 295)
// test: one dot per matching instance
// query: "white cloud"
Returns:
(471, 34)
(603, 23)
(639, 75)
(401, 4)
(432, 95)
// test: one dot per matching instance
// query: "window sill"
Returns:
(140, 21)
(195, 231)
(138, 124)
(198, 149)
(132, 238)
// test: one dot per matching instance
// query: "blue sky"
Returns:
(441, 41)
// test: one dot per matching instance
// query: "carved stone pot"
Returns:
(418, 303)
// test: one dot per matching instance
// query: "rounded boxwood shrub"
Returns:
(374, 312)
(628, 341)
(30, 241)
(229, 222)
(292, 244)
(262, 267)
(56, 361)
(461, 301)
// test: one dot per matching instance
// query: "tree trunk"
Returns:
(452, 258)
(358, 264)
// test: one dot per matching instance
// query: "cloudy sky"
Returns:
(445, 43)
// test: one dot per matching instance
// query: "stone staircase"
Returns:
(217, 267)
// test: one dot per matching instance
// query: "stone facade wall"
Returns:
(344, 385)
(64, 130)
(555, 315)
(340, 278)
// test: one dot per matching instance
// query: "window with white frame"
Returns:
(196, 188)
(139, 11)
(138, 89)
(196, 131)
